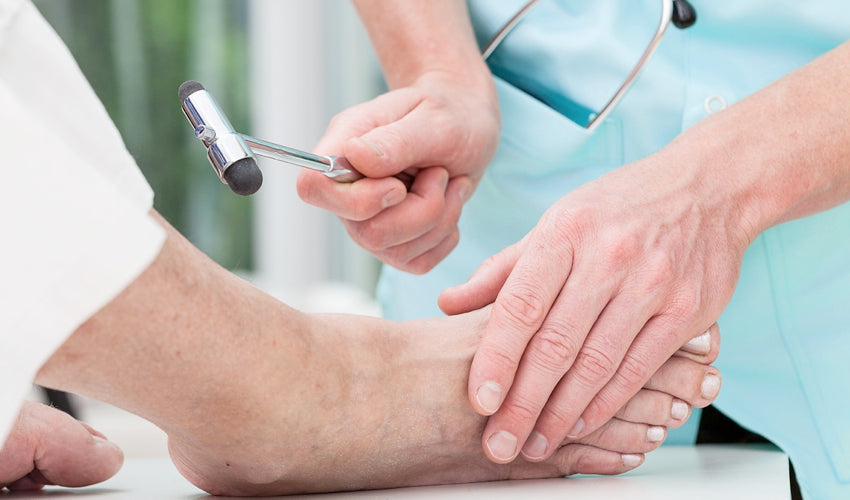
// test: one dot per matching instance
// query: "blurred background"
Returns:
(280, 69)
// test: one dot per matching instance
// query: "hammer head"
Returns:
(229, 155)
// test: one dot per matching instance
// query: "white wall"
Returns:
(309, 60)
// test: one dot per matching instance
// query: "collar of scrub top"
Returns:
(679, 12)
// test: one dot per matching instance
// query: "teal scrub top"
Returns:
(786, 331)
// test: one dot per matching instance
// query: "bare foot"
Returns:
(380, 404)
(260, 399)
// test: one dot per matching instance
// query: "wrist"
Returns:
(771, 155)
(416, 38)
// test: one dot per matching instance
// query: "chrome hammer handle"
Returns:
(335, 167)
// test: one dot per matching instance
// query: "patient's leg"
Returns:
(258, 398)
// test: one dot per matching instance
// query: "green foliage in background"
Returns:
(136, 53)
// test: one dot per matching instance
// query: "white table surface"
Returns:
(671, 472)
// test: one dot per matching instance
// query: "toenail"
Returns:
(535, 447)
(576, 429)
(631, 461)
(655, 434)
(710, 386)
(502, 446)
(489, 397)
(679, 410)
(699, 345)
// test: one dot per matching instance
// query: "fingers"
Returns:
(636, 370)
(616, 435)
(519, 311)
(355, 201)
(419, 232)
(400, 129)
(362, 118)
(683, 381)
(47, 446)
(367, 197)
(483, 286)
(423, 137)
(561, 370)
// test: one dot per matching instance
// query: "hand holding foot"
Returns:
(260, 399)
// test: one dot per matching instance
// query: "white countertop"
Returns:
(671, 472)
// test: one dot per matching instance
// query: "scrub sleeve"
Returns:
(786, 331)
(75, 208)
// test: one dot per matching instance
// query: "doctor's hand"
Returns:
(439, 129)
(615, 277)
(47, 446)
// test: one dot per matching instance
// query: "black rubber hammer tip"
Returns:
(188, 88)
(244, 177)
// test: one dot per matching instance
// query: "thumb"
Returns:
(47, 446)
(483, 286)
(415, 133)
(364, 117)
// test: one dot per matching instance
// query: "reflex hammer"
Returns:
(231, 154)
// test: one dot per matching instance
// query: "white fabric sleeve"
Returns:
(75, 227)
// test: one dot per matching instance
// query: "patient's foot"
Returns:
(257, 398)
(373, 404)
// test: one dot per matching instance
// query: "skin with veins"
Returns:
(260, 399)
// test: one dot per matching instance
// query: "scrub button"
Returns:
(714, 103)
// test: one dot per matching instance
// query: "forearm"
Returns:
(782, 153)
(414, 38)
(172, 340)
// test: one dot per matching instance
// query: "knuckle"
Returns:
(634, 372)
(420, 266)
(594, 365)
(624, 248)
(553, 350)
(685, 303)
(521, 411)
(342, 120)
(658, 271)
(558, 420)
(524, 307)
(603, 406)
(372, 235)
(495, 357)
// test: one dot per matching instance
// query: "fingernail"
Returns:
(371, 145)
(699, 345)
(631, 461)
(445, 180)
(392, 198)
(679, 410)
(655, 434)
(710, 386)
(489, 397)
(464, 193)
(99, 441)
(502, 446)
(535, 447)
(576, 429)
